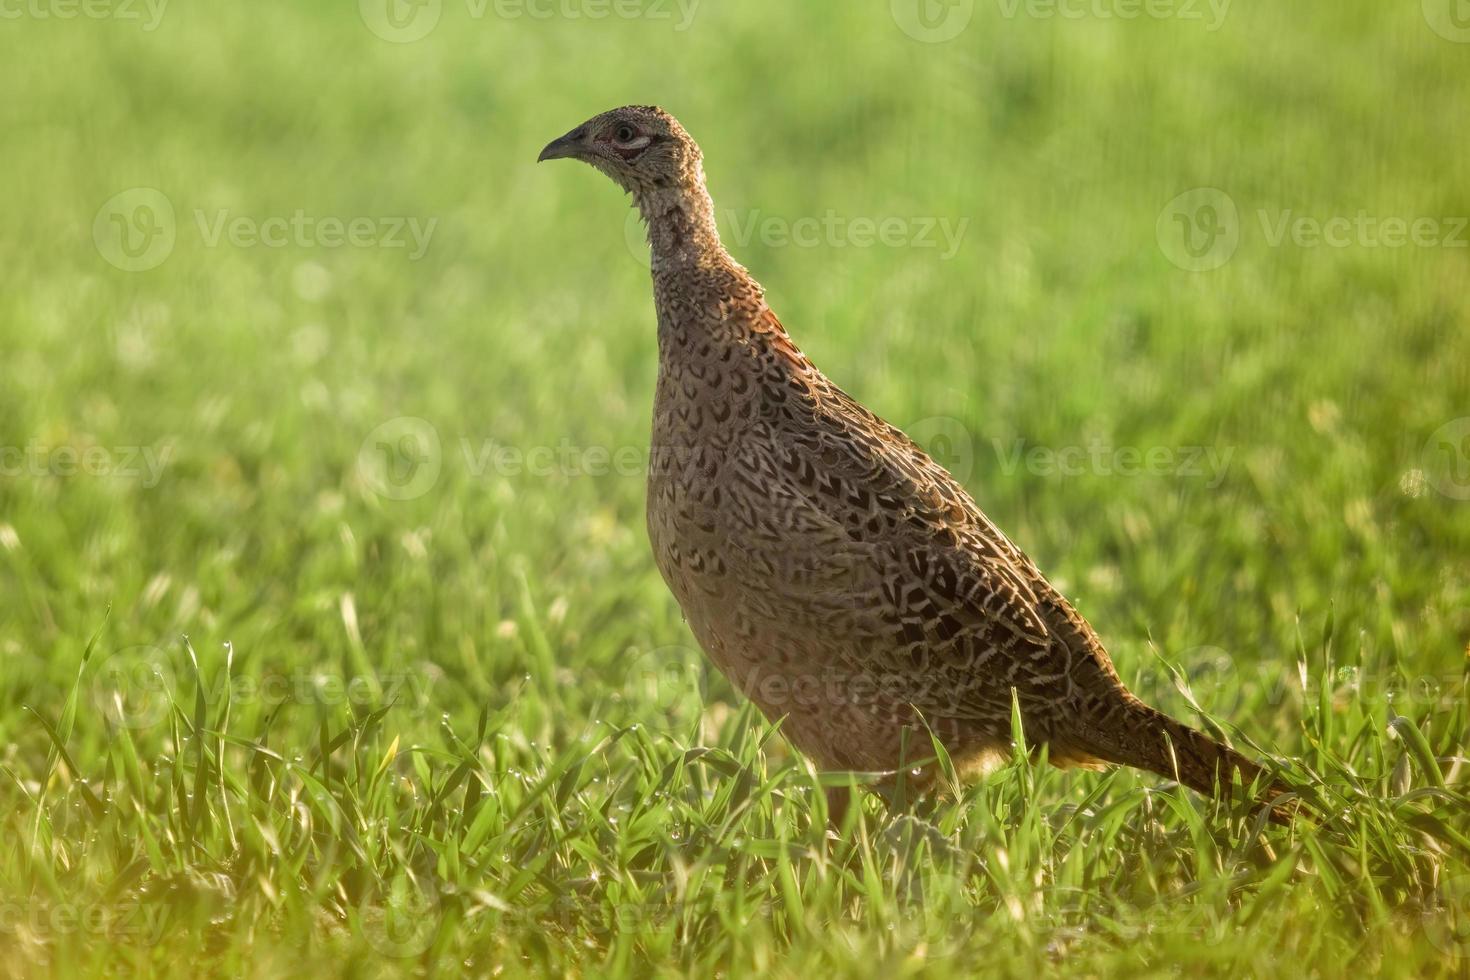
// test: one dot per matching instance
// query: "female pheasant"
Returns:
(835, 573)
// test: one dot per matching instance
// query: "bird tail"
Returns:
(1149, 739)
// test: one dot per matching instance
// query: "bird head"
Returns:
(642, 148)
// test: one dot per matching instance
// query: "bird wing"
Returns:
(862, 480)
(953, 598)
(930, 582)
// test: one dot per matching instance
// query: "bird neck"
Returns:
(701, 294)
(681, 227)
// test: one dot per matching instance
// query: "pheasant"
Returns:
(841, 578)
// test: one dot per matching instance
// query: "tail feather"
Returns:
(1149, 739)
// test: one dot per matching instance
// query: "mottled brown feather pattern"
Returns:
(840, 577)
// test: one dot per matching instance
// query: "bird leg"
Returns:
(839, 798)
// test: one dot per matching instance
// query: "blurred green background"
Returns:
(307, 449)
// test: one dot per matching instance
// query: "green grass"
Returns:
(467, 730)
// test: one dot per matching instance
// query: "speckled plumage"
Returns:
(841, 578)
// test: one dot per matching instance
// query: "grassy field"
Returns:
(331, 639)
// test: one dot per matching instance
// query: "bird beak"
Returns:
(563, 147)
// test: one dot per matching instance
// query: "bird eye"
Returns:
(626, 133)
